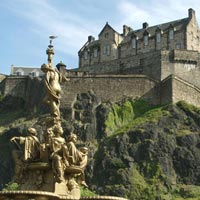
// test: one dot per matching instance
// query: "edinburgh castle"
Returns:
(160, 64)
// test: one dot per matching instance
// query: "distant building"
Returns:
(26, 71)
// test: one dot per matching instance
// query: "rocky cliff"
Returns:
(136, 150)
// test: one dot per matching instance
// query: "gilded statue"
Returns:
(56, 147)
(76, 159)
(28, 150)
(53, 89)
(31, 144)
(54, 163)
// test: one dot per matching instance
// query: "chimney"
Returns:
(126, 30)
(145, 25)
(91, 38)
(191, 13)
(12, 70)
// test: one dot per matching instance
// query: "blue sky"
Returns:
(27, 24)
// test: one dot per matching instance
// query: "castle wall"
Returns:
(16, 86)
(183, 63)
(174, 89)
(112, 88)
(146, 64)
(29, 89)
(166, 91)
(105, 88)
(157, 64)
(182, 90)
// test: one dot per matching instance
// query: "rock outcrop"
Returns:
(136, 151)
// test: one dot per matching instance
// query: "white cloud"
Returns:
(45, 19)
(153, 11)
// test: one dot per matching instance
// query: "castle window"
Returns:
(178, 46)
(106, 50)
(19, 72)
(34, 73)
(158, 37)
(85, 55)
(146, 40)
(106, 35)
(95, 53)
(133, 42)
(171, 34)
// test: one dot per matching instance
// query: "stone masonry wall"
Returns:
(16, 86)
(185, 91)
(174, 89)
(147, 64)
(182, 63)
(157, 64)
(29, 89)
(113, 88)
(105, 88)
(166, 91)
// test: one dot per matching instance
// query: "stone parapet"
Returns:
(185, 55)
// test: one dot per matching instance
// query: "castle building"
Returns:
(160, 64)
(156, 51)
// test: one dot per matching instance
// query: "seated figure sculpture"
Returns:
(22, 156)
(31, 145)
(67, 161)
(75, 159)
(74, 156)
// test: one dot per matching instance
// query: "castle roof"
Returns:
(110, 27)
(177, 25)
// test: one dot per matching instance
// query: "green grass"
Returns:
(122, 114)
(85, 192)
(188, 192)
(11, 187)
(151, 116)
(188, 107)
